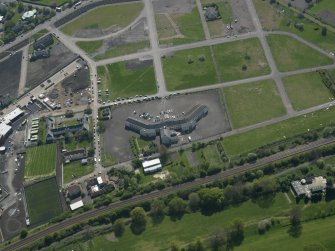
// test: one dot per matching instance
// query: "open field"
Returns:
(40, 161)
(316, 236)
(127, 79)
(10, 70)
(114, 16)
(290, 54)
(306, 90)
(250, 140)
(178, 22)
(159, 236)
(43, 201)
(324, 10)
(90, 46)
(189, 68)
(280, 17)
(48, 2)
(75, 170)
(252, 103)
(231, 57)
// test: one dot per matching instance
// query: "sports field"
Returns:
(306, 90)
(43, 201)
(290, 54)
(189, 68)
(105, 17)
(253, 139)
(76, 170)
(123, 80)
(252, 103)
(231, 57)
(40, 161)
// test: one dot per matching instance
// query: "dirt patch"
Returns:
(241, 13)
(111, 237)
(42, 69)
(137, 64)
(300, 4)
(162, 175)
(91, 33)
(327, 16)
(135, 34)
(173, 6)
(193, 158)
(10, 70)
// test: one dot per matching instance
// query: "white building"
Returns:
(29, 14)
(12, 116)
(76, 205)
(151, 166)
(5, 130)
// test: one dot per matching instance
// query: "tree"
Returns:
(101, 126)
(119, 227)
(177, 207)
(236, 232)
(138, 220)
(174, 246)
(211, 199)
(295, 220)
(324, 31)
(193, 201)
(157, 210)
(199, 245)
(24, 233)
(217, 239)
(233, 194)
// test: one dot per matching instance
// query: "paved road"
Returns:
(156, 194)
(203, 20)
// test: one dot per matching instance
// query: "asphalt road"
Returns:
(156, 194)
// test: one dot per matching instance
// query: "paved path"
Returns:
(203, 20)
(24, 67)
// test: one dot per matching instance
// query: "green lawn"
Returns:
(316, 236)
(76, 169)
(252, 103)
(123, 49)
(306, 90)
(180, 73)
(40, 161)
(210, 155)
(39, 34)
(159, 237)
(250, 140)
(42, 131)
(279, 17)
(189, 25)
(43, 201)
(104, 17)
(90, 46)
(323, 5)
(232, 56)
(48, 2)
(124, 82)
(290, 54)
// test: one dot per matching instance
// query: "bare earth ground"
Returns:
(216, 122)
(173, 6)
(241, 12)
(300, 4)
(10, 75)
(327, 16)
(41, 69)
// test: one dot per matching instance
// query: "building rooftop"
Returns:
(29, 14)
(150, 163)
(76, 205)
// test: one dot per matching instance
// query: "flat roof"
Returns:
(4, 129)
(99, 179)
(150, 163)
(76, 205)
(12, 115)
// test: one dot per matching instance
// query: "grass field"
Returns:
(123, 82)
(323, 5)
(250, 140)
(40, 161)
(290, 54)
(76, 169)
(232, 56)
(189, 25)
(306, 90)
(316, 236)
(182, 74)
(159, 237)
(90, 46)
(43, 201)
(48, 2)
(279, 17)
(252, 103)
(105, 17)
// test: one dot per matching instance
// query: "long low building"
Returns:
(5, 131)
(12, 116)
(151, 166)
(185, 124)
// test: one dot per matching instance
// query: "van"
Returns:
(58, 9)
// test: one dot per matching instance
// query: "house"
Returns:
(29, 14)
(99, 185)
(39, 55)
(151, 166)
(73, 192)
(43, 43)
(309, 186)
